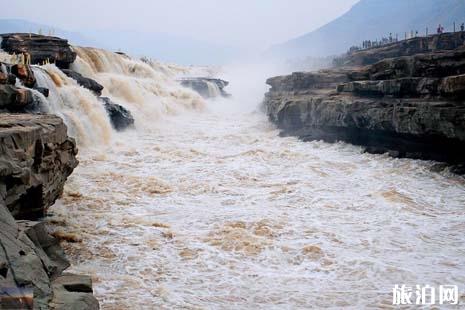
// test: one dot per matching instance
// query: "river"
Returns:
(211, 209)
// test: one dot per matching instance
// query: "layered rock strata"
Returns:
(410, 106)
(36, 157)
(39, 48)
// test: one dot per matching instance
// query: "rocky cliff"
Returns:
(410, 106)
(36, 157)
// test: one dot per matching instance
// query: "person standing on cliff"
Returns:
(440, 29)
(462, 27)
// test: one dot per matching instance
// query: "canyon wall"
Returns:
(408, 106)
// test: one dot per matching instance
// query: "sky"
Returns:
(244, 24)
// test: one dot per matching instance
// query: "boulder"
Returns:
(206, 87)
(36, 158)
(73, 292)
(40, 48)
(120, 117)
(7, 78)
(25, 74)
(15, 99)
(84, 82)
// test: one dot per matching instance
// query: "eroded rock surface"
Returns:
(40, 48)
(36, 157)
(413, 46)
(410, 106)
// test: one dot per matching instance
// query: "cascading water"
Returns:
(147, 89)
(213, 90)
(82, 112)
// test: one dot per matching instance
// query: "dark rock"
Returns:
(15, 99)
(7, 78)
(206, 87)
(44, 91)
(25, 74)
(84, 82)
(120, 117)
(40, 48)
(36, 158)
(407, 107)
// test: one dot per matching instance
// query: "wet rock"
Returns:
(25, 74)
(73, 292)
(84, 82)
(7, 78)
(206, 87)
(36, 158)
(120, 117)
(409, 106)
(44, 91)
(40, 48)
(15, 99)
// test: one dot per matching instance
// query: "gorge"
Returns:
(181, 200)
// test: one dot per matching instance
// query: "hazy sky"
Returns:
(240, 23)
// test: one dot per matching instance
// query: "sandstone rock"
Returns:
(84, 82)
(15, 99)
(40, 48)
(120, 117)
(36, 157)
(25, 74)
(206, 87)
(6, 78)
(73, 292)
(409, 106)
(453, 86)
(419, 45)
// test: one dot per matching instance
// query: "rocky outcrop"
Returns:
(120, 117)
(88, 83)
(40, 48)
(14, 99)
(36, 157)
(206, 87)
(413, 46)
(411, 106)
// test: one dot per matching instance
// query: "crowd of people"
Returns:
(388, 40)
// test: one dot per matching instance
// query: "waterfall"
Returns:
(81, 110)
(213, 90)
(147, 89)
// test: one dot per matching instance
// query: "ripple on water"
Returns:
(214, 210)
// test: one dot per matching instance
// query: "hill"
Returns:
(371, 20)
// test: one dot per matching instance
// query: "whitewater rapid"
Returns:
(211, 209)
